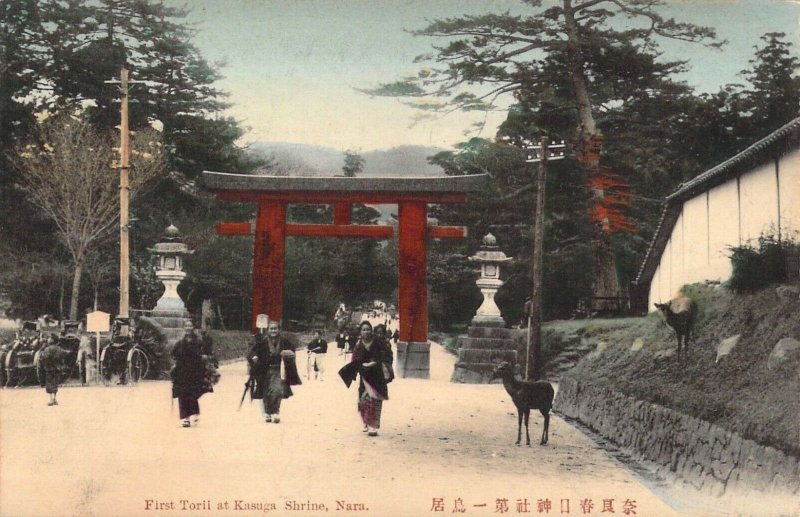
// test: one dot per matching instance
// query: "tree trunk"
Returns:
(61, 297)
(605, 282)
(206, 315)
(219, 317)
(76, 289)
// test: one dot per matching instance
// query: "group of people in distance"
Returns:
(346, 341)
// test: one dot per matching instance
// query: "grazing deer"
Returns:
(527, 395)
(679, 314)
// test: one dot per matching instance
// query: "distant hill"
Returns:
(310, 160)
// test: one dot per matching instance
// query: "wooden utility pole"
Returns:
(535, 312)
(535, 316)
(124, 198)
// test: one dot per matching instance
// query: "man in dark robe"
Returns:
(51, 361)
(188, 375)
(265, 358)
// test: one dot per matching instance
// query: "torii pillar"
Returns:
(411, 194)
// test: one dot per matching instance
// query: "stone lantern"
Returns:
(490, 257)
(170, 250)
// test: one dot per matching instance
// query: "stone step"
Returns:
(486, 342)
(472, 373)
(491, 332)
(480, 355)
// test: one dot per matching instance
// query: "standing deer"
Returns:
(679, 314)
(527, 395)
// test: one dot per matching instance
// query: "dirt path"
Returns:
(119, 451)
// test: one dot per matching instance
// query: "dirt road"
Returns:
(443, 448)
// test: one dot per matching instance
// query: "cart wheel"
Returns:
(105, 373)
(138, 364)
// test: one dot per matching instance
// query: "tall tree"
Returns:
(68, 172)
(353, 164)
(57, 55)
(22, 58)
(504, 53)
(772, 97)
(64, 51)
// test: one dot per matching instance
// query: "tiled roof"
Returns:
(218, 181)
(775, 144)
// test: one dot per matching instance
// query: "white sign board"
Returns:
(262, 321)
(98, 321)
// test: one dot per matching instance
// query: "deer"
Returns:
(527, 395)
(680, 314)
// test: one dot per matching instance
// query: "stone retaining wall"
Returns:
(685, 448)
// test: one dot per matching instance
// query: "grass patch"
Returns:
(737, 392)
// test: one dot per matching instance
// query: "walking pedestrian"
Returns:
(317, 353)
(352, 340)
(51, 360)
(372, 361)
(381, 334)
(341, 340)
(188, 375)
(265, 358)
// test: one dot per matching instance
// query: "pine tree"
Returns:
(353, 164)
(491, 55)
(772, 97)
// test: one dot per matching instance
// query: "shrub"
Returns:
(757, 267)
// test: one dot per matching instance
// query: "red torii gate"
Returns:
(411, 194)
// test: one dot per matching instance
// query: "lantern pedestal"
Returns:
(488, 314)
(487, 342)
(170, 301)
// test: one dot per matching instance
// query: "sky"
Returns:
(293, 67)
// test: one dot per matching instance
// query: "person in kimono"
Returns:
(265, 357)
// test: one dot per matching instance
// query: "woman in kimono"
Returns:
(373, 359)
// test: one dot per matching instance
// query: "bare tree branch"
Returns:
(70, 172)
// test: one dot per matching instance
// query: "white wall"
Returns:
(734, 213)
(695, 240)
(723, 229)
(758, 196)
(789, 168)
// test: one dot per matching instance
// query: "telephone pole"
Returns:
(124, 196)
(542, 155)
(124, 200)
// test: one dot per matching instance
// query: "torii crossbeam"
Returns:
(411, 194)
